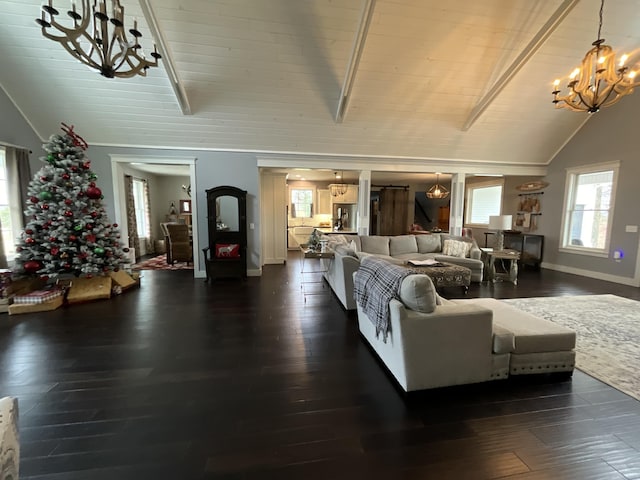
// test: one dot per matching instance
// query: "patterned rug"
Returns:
(608, 334)
(160, 263)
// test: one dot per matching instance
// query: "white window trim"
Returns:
(568, 196)
(489, 183)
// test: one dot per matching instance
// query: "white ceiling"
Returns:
(266, 75)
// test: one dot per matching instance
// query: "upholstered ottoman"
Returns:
(447, 275)
(541, 346)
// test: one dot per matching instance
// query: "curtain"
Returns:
(132, 224)
(147, 214)
(18, 178)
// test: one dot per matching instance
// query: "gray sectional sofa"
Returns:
(350, 249)
(433, 342)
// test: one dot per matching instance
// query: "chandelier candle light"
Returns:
(91, 41)
(597, 82)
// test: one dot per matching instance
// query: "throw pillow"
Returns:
(455, 248)
(418, 293)
(227, 250)
(353, 246)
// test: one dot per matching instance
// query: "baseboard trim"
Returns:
(632, 282)
(250, 273)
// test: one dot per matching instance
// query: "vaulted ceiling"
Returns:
(267, 75)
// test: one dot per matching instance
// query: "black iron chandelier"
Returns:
(98, 40)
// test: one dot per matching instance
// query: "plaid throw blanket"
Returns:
(375, 283)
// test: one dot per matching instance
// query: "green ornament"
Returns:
(44, 195)
(51, 158)
(78, 228)
(93, 176)
(98, 251)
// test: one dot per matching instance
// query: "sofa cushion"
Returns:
(532, 334)
(402, 244)
(387, 258)
(428, 243)
(342, 249)
(418, 293)
(375, 244)
(456, 248)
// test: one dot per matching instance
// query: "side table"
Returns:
(305, 282)
(512, 271)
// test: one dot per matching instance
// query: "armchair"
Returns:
(179, 248)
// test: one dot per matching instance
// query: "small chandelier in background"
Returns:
(597, 82)
(99, 41)
(338, 189)
(437, 190)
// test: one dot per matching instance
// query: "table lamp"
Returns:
(500, 223)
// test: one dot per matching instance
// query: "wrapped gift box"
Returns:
(88, 289)
(18, 308)
(38, 296)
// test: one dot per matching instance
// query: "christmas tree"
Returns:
(67, 229)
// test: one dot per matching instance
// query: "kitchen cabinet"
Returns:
(324, 202)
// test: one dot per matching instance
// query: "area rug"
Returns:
(160, 263)
(608, 334)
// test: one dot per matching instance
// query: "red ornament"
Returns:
(81, 194)
(28, 231)
(29, 241)
(94, 214)
(68, 213)
(66, 176)
(55, 251)
(115, 225)
(92, 184)
(45, 206)
(67, 266)
(68, 201)
(72, 238)
(44, 179)
(91, 238)
(34, 199)
(93, 192)
(86, 165)
(89, 226)
(32, 266)
(74, 169)
(52, 239)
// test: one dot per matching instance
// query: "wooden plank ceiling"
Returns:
(266, 75)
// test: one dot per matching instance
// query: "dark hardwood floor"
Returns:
(246, 380)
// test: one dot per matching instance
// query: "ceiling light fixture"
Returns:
(99, 41)
(597, 82)
(338, 189)
(437, 190)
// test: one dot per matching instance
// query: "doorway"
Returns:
(119, 167)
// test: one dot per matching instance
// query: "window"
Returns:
(483, 200)
(301, 202)
(588, 213)
(141, 205)
(8, 236)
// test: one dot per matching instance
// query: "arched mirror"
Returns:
(227, 214)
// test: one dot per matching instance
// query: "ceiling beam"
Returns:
(167, 58)
(354, 60)
(532, 47)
